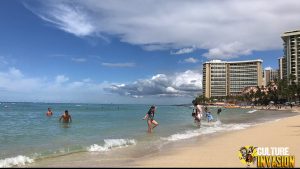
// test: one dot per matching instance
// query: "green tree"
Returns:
(258, 95)
(282, 90)
(252, 95)
(200, 100)
(272, 92)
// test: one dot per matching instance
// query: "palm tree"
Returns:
(252, 95)
(258, 94)
(298, 91)
(273, 92)
(247, 97)
(282, 89)
(200, 100)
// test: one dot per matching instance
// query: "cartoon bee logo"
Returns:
(247, 155)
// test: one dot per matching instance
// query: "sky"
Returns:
(131, 51)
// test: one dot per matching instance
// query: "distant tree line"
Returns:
(277, 92)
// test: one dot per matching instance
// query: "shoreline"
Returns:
(194, 152)
(279, 133)
(265, 108)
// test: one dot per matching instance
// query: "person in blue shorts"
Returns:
(208, 115)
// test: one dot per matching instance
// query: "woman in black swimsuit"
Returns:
(150, 119)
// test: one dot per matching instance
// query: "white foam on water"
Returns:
(251, 111)
(206, 129)
(15, 161)
(110, 144)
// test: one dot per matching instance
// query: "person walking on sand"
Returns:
(49, 113)
(66, 117)
(150, 119)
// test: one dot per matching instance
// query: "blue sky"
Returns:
(130, 52)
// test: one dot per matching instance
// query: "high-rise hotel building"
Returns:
(222, 78)
(270, 75)
(282, 68)
(291, 58)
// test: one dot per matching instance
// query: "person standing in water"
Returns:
(198, 114)
(208, 115)
(49, 113)
(219, 111)
(150, 119)
(66, 117)
(218, 114)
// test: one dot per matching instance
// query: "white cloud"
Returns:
(171, 90)
(15, 86)
(227, 28)
(268, 68)
(190, 60)
(232, 50)
(120, 65)
(79, 60)
(16, 73)
(183, 51)
(159, 89)
(183, 84)
(156, 47)
(61, 79)
(87, 80)
(66, 16)
(13, 80)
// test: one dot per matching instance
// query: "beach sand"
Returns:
(222, 150)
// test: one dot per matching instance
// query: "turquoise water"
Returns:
(27, 134)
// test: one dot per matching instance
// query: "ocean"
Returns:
(106, 131)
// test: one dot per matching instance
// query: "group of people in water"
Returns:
(65, 117)
(197, 114)
(149, 117)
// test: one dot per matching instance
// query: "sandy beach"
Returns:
(222, 150)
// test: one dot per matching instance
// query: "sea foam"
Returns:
(110, 144)
(251, 111)
(206, 129)
(15, 161)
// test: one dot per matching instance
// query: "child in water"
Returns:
(208, 115)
